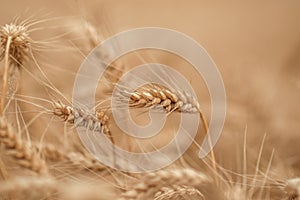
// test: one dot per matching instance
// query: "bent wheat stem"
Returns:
(212, 154)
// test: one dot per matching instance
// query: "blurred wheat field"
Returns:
(256, 46)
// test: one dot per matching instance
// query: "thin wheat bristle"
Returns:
(16, 147)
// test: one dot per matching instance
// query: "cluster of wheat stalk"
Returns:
(34, 168)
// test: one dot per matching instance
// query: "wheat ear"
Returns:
(14, 43)
(82, 118)
(34, 188)
(151, 183)
(26, 156)
(178, 192)
(29, 188)
(51, 152)
(152, 95)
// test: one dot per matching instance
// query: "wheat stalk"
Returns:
(152, 183)
(25, 155)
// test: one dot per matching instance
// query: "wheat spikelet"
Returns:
(152, 183)
(25, 155)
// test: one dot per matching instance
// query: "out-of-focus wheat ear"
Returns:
(14, 44)
(178, 192)
(29, 188)
(151, 183)
(78, 160)
(83, 190)
(292, 189)
(98, 121)
(25, 155)
(33, 188)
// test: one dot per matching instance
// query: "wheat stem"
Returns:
(5, 75)
(212, 154)
(3, 170)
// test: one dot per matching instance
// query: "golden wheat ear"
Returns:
(14, 43)
(151, 95)
(178, 192)
(79, 160)
(25, 155)
(152, 184)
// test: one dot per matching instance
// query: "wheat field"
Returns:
(256, 47)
